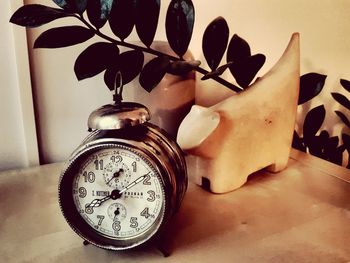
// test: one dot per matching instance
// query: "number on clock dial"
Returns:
(147, 180)
(135, 211)
(82, 192)
(100, 219)
(98, 164)
(145, 213)
(89, 177)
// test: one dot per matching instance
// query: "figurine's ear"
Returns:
(199, 123)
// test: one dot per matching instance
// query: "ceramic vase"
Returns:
(171, 100)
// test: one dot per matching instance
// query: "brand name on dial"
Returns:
(126, 194)
(140, 194)
(100, 193)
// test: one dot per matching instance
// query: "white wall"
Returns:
(64, 104)
(18, 147)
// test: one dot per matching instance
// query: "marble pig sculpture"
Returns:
(247, 131)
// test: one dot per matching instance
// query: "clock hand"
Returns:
(115, 175)
(116, 213)
(132, 184)
(98, 202)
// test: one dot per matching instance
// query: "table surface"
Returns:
(299, 215)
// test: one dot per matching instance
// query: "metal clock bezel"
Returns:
(80, 226)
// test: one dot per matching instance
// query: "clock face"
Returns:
(118, 193)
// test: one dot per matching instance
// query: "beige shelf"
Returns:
(299, 215)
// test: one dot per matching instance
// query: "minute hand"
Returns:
(132, 184)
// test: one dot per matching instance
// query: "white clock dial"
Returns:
(118, 193)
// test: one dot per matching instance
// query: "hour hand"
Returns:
(98, 202)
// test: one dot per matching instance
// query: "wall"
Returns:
(18, 147)
(63, 104)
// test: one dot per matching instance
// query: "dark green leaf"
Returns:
(346, 140)
(317, 144)
(81, 5)
(63, 37)
(298, 142)
(337, 155)
(110, 76)
(181, 67)
(342, 148)
(61, 3)
(131, 63)
(215, 41)
(333, 153)
(348, 166)
(153, 72)
(95, 59)
(75, 6)
(313, 122)
(238, 49)
(128, 63)
(324, 136)
(246, 69)
(341, 99)
(343, 118)
(315, 147)
(332, 142)
(346, 84)
(337, 158)
(217, 72)
(179, 25)
(147, 20)
(311, 84)
(98, 11)
(122, 18)
(36, 15)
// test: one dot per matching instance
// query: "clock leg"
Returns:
(163, 250)
(85, 243)
(163, 246)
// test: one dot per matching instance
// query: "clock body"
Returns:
(120, 187)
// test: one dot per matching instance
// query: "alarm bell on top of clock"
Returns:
(120, 187)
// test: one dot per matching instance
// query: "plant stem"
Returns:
(156, 53)
(220, 80)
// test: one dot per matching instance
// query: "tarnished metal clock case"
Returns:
(118, 116)
(149, 140)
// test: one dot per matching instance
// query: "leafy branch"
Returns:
(123, 16)
(318, 142)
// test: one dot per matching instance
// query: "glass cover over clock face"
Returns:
(118, 193)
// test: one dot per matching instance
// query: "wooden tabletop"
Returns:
(299, 215)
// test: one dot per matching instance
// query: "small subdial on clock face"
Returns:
(117, 175)
(116, 212)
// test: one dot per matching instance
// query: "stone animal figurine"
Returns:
(248, 131)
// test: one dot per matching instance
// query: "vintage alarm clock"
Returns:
(121, 186)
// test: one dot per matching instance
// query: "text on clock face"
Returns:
(118, 193)
(128, 194)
